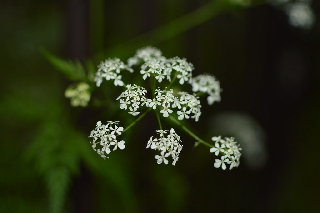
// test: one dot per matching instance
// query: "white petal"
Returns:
(165, 161)
(224, 166)
(121, 145)
(108, 151)
(217, 163)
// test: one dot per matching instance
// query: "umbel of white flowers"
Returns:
(170, 103)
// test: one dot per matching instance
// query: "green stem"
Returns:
(159, 121)
(174, 78)
(190, 132)
(153, 85)
(173, 28)
(138, 119)
(97, 23)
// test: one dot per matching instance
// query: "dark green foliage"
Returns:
(44, 142)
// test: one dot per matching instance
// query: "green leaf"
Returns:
(55, 153)
(73, 70)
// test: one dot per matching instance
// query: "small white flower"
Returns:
(233, 162)
(221, 162)
(116, 130)
(118, 81)
(217, 149)
(145, 73)
(124, 104)
(160, 76)
(183, 114)
(120, 145)
(175, 159)
(162, 158)
(166, 111)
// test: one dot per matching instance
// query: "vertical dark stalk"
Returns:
(78, 47)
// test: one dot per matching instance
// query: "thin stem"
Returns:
(190, 132)
(159, 121)
(200, 93)
(174, 78)
(138, 119)
(153, 86)
(174, 28)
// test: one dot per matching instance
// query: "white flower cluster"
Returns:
(188, 105)
(167, 145)
(164, 99)
(229, 151)
(145, 54)
(162, 69)
(183, 68)
(105, 136)
(110, 70)
(79, 94)
(132, 98)
(207, 84)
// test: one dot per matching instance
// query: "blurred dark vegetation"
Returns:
(268, 69)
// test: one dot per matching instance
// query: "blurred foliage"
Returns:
(45, 152)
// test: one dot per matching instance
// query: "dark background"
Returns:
(269, 72)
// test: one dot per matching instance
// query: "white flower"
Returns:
(217, 149)
(166, 111)
(79, 94)
(105, 136)
(124, 104)
(116, 130)
(160, 76)
(175, 159)
(221, 162)
(183, 114)
(145, 73)
(167, 144)
(118, 81)
(152, 143)
(233, 162)
(162, 158)
(117, 144)
(229, 151)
